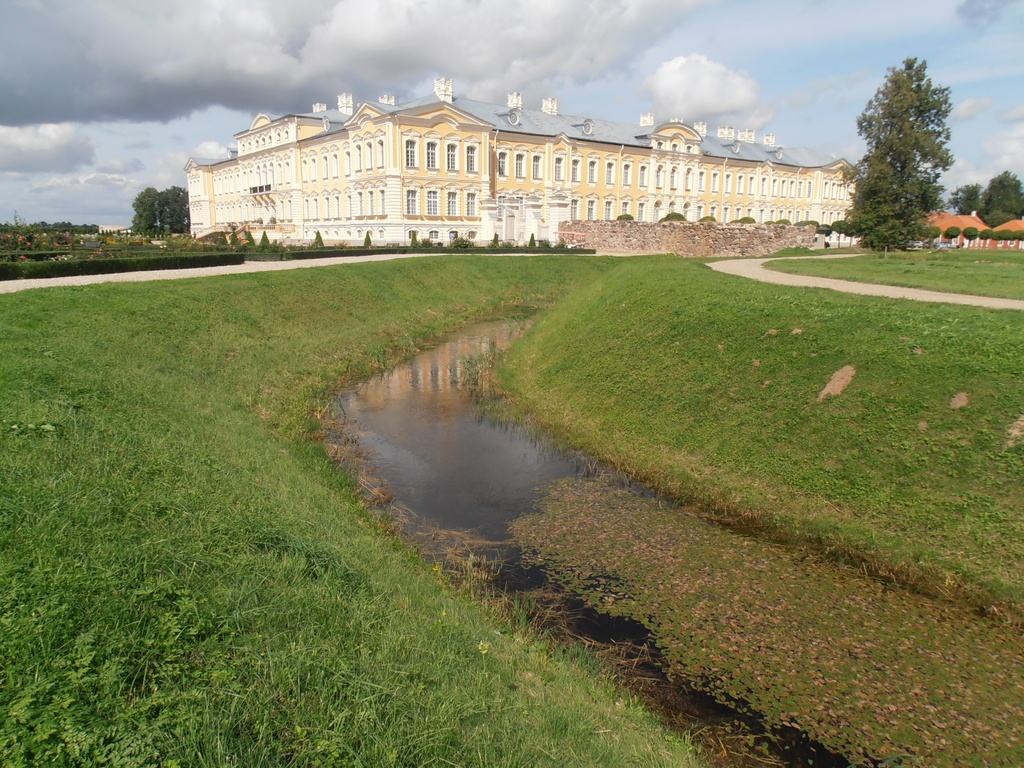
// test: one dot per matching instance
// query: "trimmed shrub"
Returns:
(74, 267)
(533, 241)
(625, 217)
(674, 216)
(367, 241)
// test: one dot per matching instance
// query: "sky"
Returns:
(100, 99)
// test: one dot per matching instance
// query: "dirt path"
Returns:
(10, 286)
(755, 270)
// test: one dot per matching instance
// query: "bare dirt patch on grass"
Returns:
(838, 383)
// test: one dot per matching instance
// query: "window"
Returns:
(453, 203)
(627, 173)
(609, 211)
(359, 157)
(575, 171)
(520, 165)
(327, 171)
(659, 177)
(624, 209)
(700, 181)
(728, 183)
(536, 166)
(433, 203)
(574, 209)
(674, 178)
(451, 157)
(471, 159)
(312, 169)
(559, 169)
(432, 156)
(775, 187)
(689, 179)
(412, 207)
(764, 186)
(370, 204)
(380, 153)
(410, 153)
(643, 175)
(369, 155)
(471, 203)
(592, 172)
(725, 213)
(334, 161)
(641, 210)
(359, 197)
(714, 182)
(739, 184)
(503, 163)
(800, 189)
(433, 235)
(609, 174)
(383, 210)
(591, 209)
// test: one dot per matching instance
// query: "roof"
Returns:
(944, 220)
(1017, 225)
(536, 122)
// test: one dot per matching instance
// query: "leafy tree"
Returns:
(161, 211)
(1003, 193)
(971, 233)
(897, 180)
(966, 199)
(146, 207)
(172, 209)
(952, 233)
(998, 218)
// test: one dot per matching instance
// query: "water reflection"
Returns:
(450, 467)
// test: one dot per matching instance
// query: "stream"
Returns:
(456, 481)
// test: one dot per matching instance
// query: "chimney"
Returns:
(386, 99)
(769, 139)
(726, 132)
(747, 135)
(647, 118)
(345, 104)
(443, 89)
(701, 128)
(319, 107)
(515, 100)
(550, 106)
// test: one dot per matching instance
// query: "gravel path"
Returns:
(755, 269)
(10, 286)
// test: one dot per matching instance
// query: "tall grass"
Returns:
(186, 579)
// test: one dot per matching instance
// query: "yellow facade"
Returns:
(444, 167)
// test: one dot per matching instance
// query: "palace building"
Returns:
(444, 167)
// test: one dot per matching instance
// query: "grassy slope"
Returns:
(978, 272)
(699, 384)
(186, 579)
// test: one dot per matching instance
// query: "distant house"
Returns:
(1017, 225)
(944, 220)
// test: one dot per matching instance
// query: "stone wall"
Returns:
(686, 238)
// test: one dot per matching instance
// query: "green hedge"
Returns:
(71, 267)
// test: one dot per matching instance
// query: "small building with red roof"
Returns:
(944, 220)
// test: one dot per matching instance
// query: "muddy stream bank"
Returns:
(768, 655)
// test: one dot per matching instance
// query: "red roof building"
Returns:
(944, 220)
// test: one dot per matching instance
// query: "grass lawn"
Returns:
(709, 388)
(186, 578)
(998, 273)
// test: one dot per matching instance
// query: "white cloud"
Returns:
(1014, 115)
(104, 60)
(1004, 151)
(48, 147)
(696, 88)
(970, 108)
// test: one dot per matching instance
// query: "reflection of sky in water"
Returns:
(438, 458)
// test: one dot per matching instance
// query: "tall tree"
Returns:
(172, 206)
(966, 199)
(147, 216)
(1004, 194)
(897, 180)
(164, 211)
